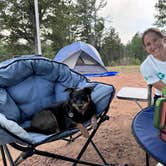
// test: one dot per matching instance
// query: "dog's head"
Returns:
(80, 98)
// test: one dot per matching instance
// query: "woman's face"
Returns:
(154, 44)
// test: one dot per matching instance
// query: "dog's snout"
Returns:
(80, 103)
(80, 106)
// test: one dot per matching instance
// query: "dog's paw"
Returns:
(94, 125)
(94, 122)
(85, 133)
(83, 130)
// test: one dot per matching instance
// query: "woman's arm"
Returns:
(159, 85)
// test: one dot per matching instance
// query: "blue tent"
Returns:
(81, 57)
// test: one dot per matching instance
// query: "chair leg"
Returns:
(83, 150)
(5, 152)
(98, 152)
(147, 159)
(85, 147)
(90, 140)
(3, 155)
(139, 105)
(53, 155)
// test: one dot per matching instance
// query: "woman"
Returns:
(154, 66)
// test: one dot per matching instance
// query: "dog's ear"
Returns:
(88, 90)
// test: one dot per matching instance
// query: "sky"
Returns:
(129, 16)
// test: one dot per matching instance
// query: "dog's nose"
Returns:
(80, 106)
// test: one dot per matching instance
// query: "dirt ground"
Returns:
(114, 138)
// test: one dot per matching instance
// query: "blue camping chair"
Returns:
(147, 135)
(27, 85)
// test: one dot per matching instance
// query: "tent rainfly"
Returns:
(81, 57)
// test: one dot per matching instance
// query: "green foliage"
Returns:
(89, 26)
(112, 48)
(161, 14)
(61, 23)
(2, 52)
(135, 50)
(59, 26)
(18, 17)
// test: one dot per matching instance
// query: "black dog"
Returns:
(72, 113)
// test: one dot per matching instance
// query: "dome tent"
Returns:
(81, 57)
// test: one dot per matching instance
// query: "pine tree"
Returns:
(161, 14)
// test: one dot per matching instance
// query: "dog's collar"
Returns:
(71, 114)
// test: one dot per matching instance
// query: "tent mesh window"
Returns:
(85, 59)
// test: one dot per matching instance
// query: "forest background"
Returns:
(63, 22)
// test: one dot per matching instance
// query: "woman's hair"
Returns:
(154, 30)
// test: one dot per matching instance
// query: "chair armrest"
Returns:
(14, 128)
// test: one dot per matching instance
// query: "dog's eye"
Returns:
(74, 100)
(86, 98)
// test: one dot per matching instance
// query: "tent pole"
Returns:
(39, 52)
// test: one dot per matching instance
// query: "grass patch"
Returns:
(132, 68)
